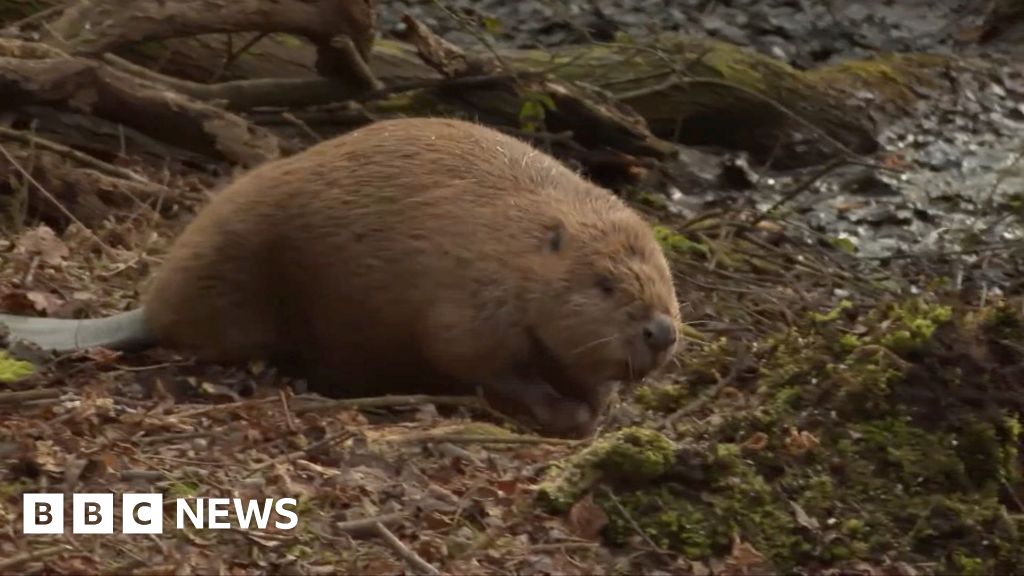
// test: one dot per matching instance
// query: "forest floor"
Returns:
(849, 401)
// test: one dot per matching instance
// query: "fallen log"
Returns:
(33, 73)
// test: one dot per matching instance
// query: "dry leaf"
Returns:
(756, 442)
(508, 487)
(587, 519)
(799, 443)
(41, 242)
(45, 302)
(17, 302)
(744, 559)
(102, 355)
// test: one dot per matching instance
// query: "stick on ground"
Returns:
(404, 552)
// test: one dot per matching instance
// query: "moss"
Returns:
(656, 201)
(863, 381)
(849, 342)
(699, 525)
(989, 450)
(671, 520)
(12, 370)
(533, 109)
(673, 242)
(912, 325)
(665, 398)
(833, 314)
(968, 565)
(906, 456)
(893, 76)
(845, 245)
(635, 455)
(914, 460)
(183, 489)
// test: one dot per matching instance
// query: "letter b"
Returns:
(42, 513)
(92, 514)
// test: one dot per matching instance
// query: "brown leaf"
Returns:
(508, 487)
(800, 442)
(744, 559)
(587, 519)
(17, 302)
(432, 550)
(41, 242)
(45, 302)
(435, 521)
(756, 442)
(103, 356)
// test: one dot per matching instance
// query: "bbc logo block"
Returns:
(92, 513)
(43, 514)
(143, 513)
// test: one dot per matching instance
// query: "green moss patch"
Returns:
(632, 453)
(887, 433)
(12, 370)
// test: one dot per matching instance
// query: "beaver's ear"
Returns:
(554, 237)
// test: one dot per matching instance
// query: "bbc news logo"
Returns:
(143, 513)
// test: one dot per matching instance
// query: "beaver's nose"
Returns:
(660, 333)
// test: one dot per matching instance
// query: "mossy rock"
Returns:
(886, 432)
(631, 455)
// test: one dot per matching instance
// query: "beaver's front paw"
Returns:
(545, 410)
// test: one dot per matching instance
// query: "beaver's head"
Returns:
(607, 310)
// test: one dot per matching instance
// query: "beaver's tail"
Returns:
(125, 331)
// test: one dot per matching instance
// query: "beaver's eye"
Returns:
(606, 285)
(555, 237)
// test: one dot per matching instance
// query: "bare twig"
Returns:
(785, 111)
(365, 527)
(384, 402)
(233, 55)
(331, 439)
(302, 126)
(21, 559)
(800, 188)
(147, 367)
(562, 546)
(471, 30)
(633, 523)
(227, 407)
(737, 367)
(179, 436)
(29, 395)
(103, 245)
(79, 157)
(288, 418)
(404, 552)
(478, 439)
(36, 17)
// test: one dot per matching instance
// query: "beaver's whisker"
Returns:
(592, 344)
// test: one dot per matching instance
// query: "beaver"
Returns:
(423, 255)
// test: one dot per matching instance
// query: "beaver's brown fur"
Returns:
(427, 255)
